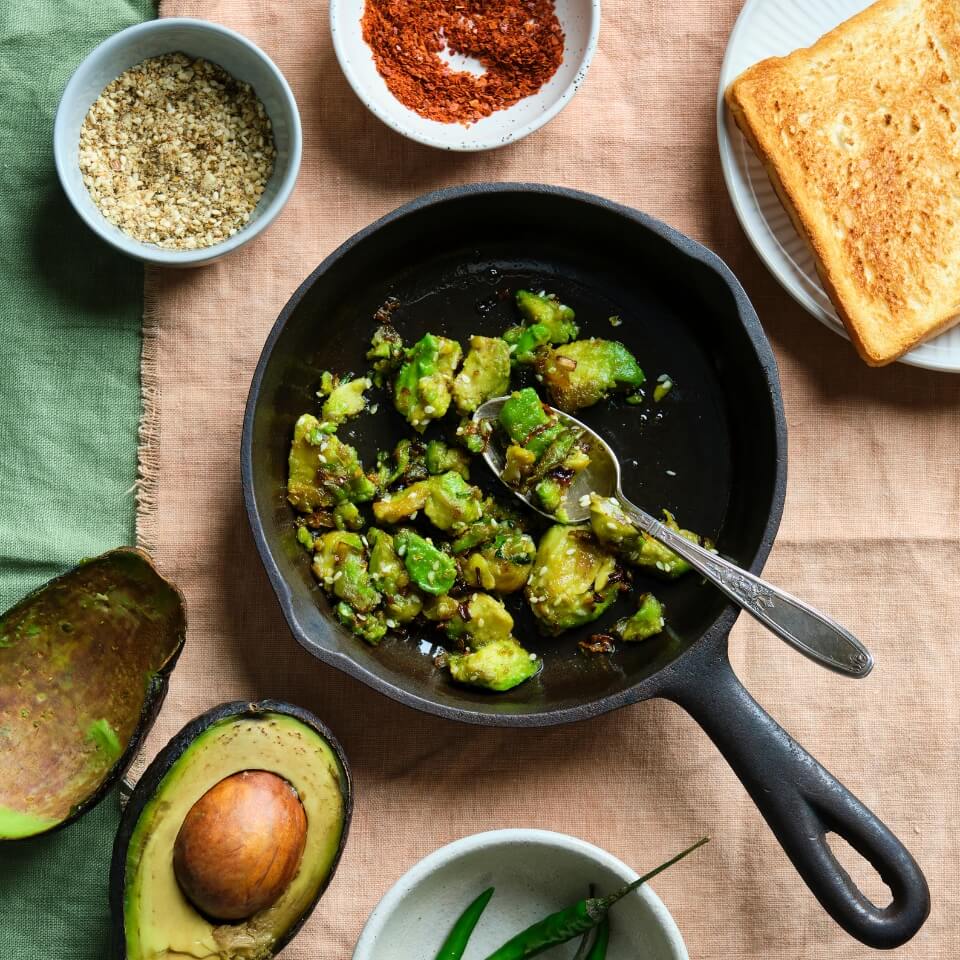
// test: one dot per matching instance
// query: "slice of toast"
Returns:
(859, 135)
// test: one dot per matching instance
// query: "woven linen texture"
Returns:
(870, 532)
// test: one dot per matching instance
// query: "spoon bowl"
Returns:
(602, 476)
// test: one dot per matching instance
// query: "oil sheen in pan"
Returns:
(668, 450)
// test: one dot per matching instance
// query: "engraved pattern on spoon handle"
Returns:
(814, 634)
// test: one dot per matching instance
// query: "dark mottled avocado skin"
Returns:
(118, 589)
(151, 780)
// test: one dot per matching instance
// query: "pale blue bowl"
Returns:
(196, 38)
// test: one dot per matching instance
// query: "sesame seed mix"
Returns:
(176, 152)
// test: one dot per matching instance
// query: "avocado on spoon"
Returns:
(812, 633)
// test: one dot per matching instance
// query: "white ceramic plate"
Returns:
(535, 872)
(768, 28)
(580, 20)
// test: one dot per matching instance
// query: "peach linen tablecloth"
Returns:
(871, 530)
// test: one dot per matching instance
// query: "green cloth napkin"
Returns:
(70, 312)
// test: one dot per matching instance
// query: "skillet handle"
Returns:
(801, 803)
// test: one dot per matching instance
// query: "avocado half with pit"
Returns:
(231, 836)
(84, 664)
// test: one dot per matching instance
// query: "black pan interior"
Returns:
(711, 452)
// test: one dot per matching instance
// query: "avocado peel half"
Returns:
(152, 916)
(84, 665)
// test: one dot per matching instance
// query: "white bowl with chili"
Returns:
(534, 873)
(476, 75)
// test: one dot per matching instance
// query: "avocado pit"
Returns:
(240, 845)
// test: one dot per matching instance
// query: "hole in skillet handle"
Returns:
(860, 871)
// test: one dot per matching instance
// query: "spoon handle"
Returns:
(814, 634)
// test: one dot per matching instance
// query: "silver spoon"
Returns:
(812, 633)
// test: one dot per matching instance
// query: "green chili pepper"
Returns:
(587, 940)
(456, 943)
(584, 947)
(576, 920)
(599, 951)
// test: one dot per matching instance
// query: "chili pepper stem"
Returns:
(597, 907)
(574, 921)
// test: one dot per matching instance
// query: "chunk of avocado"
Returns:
(476, 534)
(502, 565)
(432, 570)
(154, 918)
(546, 320)
(323, 470)
(480, 620)
(493, 658)
(84, 665)
(404, 466)
(522, 414)
(474, 435)
(402, 505)
(441, 459)
(401, 604)
(547, 310)
(453, 503)
(386, 351)
(646, 622)
(439, 609)
(612, 527)
(573, 580)
(371, 627)
(344, 399)
(448, 500)
(499, 666)
(424, 386)
(485, 373)
(402, 608)
(582, 373)
(340, 564)
(387, 572)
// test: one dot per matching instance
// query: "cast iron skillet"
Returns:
(451, 258)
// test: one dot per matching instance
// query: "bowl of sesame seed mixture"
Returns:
(468, 75)
(177, 141)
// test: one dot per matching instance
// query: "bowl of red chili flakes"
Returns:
(465, 74)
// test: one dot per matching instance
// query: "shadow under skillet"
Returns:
(385, 740)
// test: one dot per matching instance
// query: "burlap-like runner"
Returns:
(871, 532)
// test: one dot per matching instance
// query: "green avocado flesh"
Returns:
(159, 922)
(79, 658)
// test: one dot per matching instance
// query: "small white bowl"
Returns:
(580, 20)
(535, 873)
(196, 38)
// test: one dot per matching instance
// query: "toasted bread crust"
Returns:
(859, 135)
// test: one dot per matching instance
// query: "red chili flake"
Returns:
(518, 42)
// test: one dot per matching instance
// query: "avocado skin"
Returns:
(155, 694)
(168, 756)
